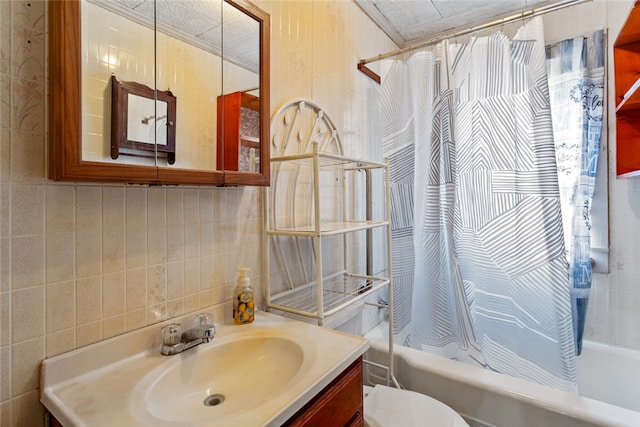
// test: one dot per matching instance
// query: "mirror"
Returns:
(142, 121)
(189, 55)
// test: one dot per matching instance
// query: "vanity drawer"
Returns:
(338, 404)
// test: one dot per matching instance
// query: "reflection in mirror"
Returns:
(141, 117)
(239, 132)
(179, 52)
(143, 122)
(191, 53)
(238, 107)
(182, 56)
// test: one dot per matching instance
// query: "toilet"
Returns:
(387, 406)
(390, 407)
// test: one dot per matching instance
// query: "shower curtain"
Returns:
(476, 218)
(576, 85)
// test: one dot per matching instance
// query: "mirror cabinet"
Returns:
(149, 92)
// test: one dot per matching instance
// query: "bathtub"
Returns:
(487, 399)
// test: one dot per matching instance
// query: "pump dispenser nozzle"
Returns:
(243, 276)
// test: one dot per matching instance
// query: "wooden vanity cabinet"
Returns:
(626, 57)
(338, 404)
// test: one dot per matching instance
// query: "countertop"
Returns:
(94, 386)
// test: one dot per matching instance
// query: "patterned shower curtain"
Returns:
(576, 85)
(476, 210)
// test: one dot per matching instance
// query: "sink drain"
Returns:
(213, 400)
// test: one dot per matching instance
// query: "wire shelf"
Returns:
(329, 160)
(338, 292)
(318, 192)
(327, 228)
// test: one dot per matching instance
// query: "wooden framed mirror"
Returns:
(73, 128)
(143, 121)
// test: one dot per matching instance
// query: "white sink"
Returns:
(249, 375)
(218, 381)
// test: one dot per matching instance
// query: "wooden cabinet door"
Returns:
(339, 404)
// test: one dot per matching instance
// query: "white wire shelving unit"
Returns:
(319, 220)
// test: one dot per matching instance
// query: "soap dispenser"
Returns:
(243, 304)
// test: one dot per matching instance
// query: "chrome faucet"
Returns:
(175, 341)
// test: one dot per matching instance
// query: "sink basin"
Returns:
(217, 381)
(256, 375)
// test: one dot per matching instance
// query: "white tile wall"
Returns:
(83, 262)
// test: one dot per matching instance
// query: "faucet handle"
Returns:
(171, 334)
(206, 326)
(204, 319)
(208, 332)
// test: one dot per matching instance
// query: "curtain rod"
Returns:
(524, 14)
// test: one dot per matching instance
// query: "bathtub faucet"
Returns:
(175, 341)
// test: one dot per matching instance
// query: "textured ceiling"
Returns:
(200, 23)
(408, 22)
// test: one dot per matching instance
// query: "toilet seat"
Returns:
(390, 407)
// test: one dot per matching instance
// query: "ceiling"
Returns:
(409, 22)
(406, 22)
(199, 23)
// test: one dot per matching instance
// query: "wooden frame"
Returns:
(65, 91)
(263, 177)
(626, 61)
(122, 119)
(229, 139)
